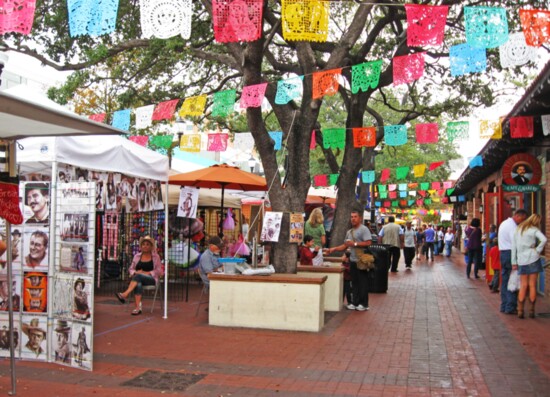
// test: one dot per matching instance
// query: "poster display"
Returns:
(296, 227)
(188, 202)
(271, 227)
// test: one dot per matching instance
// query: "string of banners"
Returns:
(301, 20)
(240, 20)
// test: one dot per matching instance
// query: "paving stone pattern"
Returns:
(435, 333)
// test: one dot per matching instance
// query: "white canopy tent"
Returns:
(115, 154)
(20, 118)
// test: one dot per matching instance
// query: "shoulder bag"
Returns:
(365, 261)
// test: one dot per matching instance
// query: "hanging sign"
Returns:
(9, 203)
(296, 227)
(522, 173)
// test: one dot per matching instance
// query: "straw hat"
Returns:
(147, 238)
(33, 326)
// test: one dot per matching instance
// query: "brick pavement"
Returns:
(435, 333)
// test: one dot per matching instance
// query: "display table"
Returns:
(334, 286)
(278, 301)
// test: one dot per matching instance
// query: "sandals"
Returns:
(136, 312)
(120, 298)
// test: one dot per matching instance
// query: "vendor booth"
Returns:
(64, 246)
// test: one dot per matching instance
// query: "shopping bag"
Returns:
(513, 282)
(229, 222)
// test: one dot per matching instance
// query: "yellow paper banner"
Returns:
(490, 129)
(305, 20)
(419, 170)
(191, 143)
(193, 106)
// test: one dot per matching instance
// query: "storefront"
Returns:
(515, 171)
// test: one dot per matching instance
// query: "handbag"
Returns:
(365, 261)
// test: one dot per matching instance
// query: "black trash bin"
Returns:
(378, 279)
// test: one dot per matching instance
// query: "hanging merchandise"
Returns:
(240, 248)
(229, 222)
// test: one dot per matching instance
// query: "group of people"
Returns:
(520, 243)
(517, 247)
(426, 241)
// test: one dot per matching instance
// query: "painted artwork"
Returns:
(82, 294)
(62, 296)
(35, 248)
(73, 258)
(61, 346)
(35, 292)
(15, 292)
(34, 341)
(5, 336)
(81, 335)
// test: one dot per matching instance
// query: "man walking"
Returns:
(357, 238)
(508, 300)
(409, 237)
(392, 235)
(429, 236)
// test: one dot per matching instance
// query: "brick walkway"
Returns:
(434, 333)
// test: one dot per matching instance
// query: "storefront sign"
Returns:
(521, 188)
(521, 170)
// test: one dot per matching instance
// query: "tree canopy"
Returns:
(140, 71)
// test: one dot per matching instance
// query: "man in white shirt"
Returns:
(508, 300)
(392, 235)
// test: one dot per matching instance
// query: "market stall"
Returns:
(74, 178)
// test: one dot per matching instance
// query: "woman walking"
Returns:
(527, 246)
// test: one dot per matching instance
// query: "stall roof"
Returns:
(534, 102)
(116, 154)
(21, 118)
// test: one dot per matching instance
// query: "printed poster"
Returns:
(296, 227)
(272, 226)
(188, 202)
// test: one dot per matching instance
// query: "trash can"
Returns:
(378, 279)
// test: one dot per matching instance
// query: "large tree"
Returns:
(145, 71)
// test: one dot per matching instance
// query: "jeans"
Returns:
(448, 248)
(508, 300)
(474, 255)
(436, 248)
(359, 285)
(141, 280)
(395, 254)
(347, 291)
(429, 248)
(408, 253)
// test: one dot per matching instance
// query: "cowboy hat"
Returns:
(33, 326)
(16, 231)
(147, 238)
(62, 327)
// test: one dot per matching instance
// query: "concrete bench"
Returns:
(278, 301)
(334, 286)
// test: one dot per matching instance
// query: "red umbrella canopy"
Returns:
(220, 176)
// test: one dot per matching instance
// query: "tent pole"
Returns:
(220, 226)
(166, 261)
(12, 173)
(188, 258)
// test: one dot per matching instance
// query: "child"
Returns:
(494, 263)
(347, 277)
(306, 254)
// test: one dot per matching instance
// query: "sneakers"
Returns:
(351, 306)
(361, 308)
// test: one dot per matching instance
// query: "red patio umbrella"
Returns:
(220, 176)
